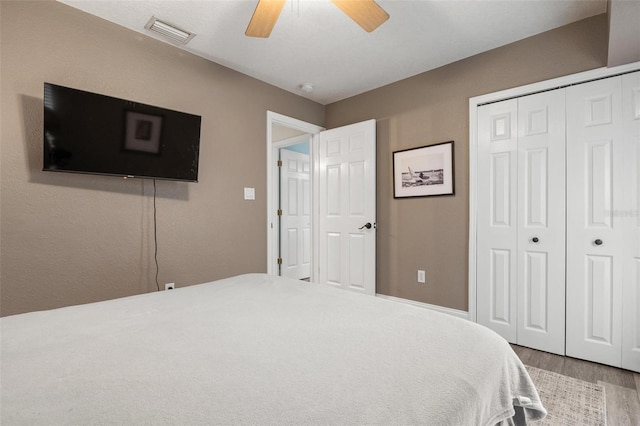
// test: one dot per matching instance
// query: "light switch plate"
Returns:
(249, 193)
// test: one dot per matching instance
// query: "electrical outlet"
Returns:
(169, 286)
(421, 276)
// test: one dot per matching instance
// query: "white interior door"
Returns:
(631, 215)
(595, 235)
(497, 217)
(541, 221)
(346, 190)
(295, 204)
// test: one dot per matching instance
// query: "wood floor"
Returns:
(622, 387)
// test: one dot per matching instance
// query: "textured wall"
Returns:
(68, 239)
(432, 233)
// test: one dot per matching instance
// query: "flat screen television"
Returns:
(90, 133)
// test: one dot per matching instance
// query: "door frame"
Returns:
(502, 95)
(274, 118)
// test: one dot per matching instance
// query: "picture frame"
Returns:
(143, 132)
(424, 171)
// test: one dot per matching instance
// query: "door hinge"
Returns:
(279, 212)
(279, 261)
(279, 163)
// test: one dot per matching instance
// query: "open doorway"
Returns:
(289, 196)
(343, 194)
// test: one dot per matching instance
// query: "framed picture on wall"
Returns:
(423, 172)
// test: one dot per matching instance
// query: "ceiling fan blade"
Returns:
(365, 13)
(264, 18)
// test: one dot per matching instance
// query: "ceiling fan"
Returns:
(365, 13)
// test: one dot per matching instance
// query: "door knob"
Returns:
(535, 239)
(598, 242)
(366, 225)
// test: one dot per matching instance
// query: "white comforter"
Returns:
(256, 349)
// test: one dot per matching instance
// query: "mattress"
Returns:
(257, 349)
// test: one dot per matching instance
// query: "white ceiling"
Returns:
(314, 42)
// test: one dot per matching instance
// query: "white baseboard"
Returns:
(442, 309)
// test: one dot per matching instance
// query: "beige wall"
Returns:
(432, 233)
(69, 239)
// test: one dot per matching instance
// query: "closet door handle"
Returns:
(366, 225)
(535, 239)
(598, 242)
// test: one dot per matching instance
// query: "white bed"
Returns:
(257, 349)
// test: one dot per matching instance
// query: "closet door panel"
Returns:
(497, 220)
(535, 316)
(599, 300)
(631, 216)
(541, 221)
(595, 236)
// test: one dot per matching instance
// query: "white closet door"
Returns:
(631, 215)
(497, 218)
(541, 221)
(595, 235)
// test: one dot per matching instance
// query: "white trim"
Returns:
(568, 80)
(293, 141)
(473, 205)
(473, 154)
(303, 126)
(315, 201)
(441, 309)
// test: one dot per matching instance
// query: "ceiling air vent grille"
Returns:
(170, 31)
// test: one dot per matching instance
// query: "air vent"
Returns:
(170, 31)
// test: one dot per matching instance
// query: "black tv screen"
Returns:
(90, 133)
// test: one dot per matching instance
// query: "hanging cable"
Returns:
(155, 234)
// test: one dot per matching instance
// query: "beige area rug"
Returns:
(569, 401)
